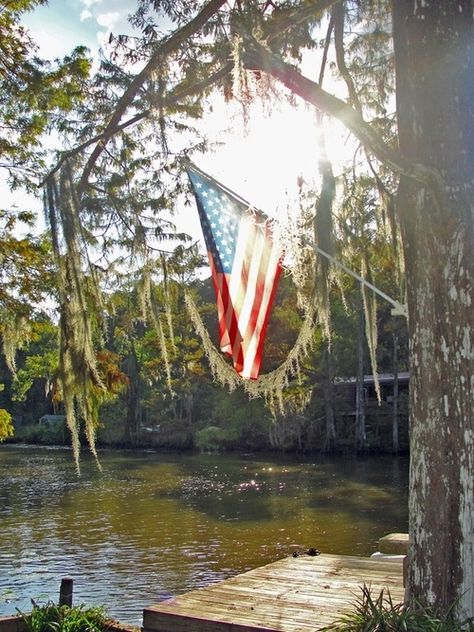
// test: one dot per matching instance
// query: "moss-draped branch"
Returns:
(259, 57)
(165, 48)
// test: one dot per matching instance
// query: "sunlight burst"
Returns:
(264, 160)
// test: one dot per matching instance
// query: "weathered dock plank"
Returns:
(299, 594)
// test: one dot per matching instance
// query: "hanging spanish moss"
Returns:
(168, 302)
(240, 80)
(164, 351)
(150, 311)
(160, 76)
(15, 332)
(370, 311)
(249, 86)
(80, 384)
(337, 278)
(169, 319)
(221, 372)
(294, 235)
(388, 207)
(269, 386)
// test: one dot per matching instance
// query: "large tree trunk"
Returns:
(435, 79)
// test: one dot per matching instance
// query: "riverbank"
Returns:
(211, 440)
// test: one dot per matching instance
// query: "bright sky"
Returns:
(262, 165)
(62, 24)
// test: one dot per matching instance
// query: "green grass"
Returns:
(381, 614)
(53, 618)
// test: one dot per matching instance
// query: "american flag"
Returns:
(245, 265)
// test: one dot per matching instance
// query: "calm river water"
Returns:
(153, 525)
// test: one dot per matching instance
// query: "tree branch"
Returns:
(166, 47)
(258, 57)
(172, 98)
(308, 9)
(327, 41)
(338, 16)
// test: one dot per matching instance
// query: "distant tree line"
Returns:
(179, 406)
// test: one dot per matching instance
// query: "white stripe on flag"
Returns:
(252, 344)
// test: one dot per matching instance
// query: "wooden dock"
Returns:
(299, 594)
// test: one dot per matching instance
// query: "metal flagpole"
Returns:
(398, 308)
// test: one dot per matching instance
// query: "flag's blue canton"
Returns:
(220, 216)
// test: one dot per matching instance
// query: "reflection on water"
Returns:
(152, 525)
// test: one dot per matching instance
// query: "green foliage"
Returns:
(55, 618)
(54, 434)
(211, 439)
(26, 271)
(137, 396)
(40, 360)
(36, 95)
(246, 423)
(381, 614)
(6, 425)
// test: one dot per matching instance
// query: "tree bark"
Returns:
(435, 70)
